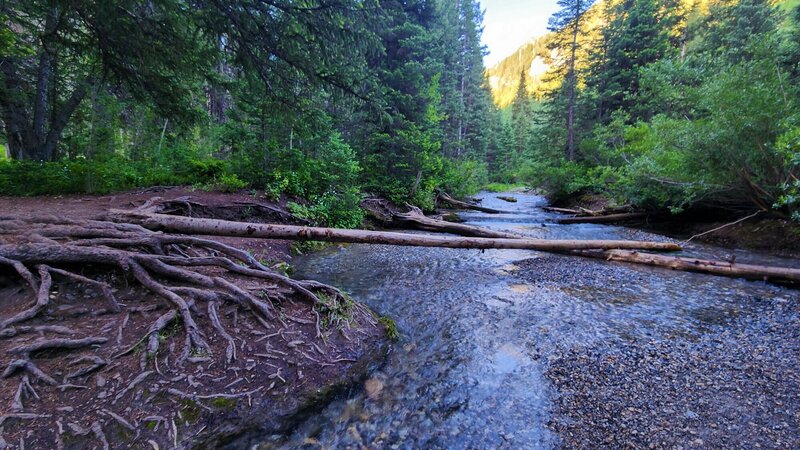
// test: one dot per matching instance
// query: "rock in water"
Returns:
(373, 387)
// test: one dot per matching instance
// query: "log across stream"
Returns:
(609, 249)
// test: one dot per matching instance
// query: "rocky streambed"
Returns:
(516, 349)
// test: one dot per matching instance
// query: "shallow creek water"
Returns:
(469, 368)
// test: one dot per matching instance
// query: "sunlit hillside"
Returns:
(535, 59)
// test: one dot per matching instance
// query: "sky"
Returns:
(510, 23)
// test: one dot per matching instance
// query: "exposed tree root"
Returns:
(24, 389)
(190, 280)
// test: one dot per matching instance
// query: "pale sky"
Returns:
(510, 23)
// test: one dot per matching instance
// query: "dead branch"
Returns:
(139, 378)
(464, 205)
(561, 210)
(722, 268)
(97, 363)
(97, 429)
(723, 226)
(416, 219)
(121, 420)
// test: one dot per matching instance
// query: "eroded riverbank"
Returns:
(519, 349)
(103, 360)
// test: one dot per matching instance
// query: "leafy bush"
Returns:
(332, 209)
(788, 145)
(226, 183)
(461, 178)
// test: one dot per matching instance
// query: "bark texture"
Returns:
(213, 227)
(722, 268)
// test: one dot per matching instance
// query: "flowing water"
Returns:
(476, 337)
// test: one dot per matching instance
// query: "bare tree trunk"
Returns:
(722, 268)
(62, 116)
(719, 268)
(15, 114)
(214, 227)
(44, 79)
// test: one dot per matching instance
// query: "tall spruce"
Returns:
(637, 35)
(466, 99)
(521, 116)
(567, 23)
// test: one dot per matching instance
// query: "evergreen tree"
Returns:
(730, 28)
(568, 23)
(401, 145)
(521, 114)
(637, 34)
(65, 50)
(466, 99)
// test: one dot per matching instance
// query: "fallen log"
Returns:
(561, 210)
(416, 219)
(611, 218)
(215, 227)
(722, 268)
(585, 212)
(507, 198)
(465, 205)
(589, 212)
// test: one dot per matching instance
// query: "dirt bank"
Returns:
(76, 375)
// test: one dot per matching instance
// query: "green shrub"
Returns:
(332, 209)
(461, 178)
(503, 187)
(226, 183)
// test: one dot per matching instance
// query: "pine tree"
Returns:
(568, 23)
(466, 100)
(637, 34)
(521, 115)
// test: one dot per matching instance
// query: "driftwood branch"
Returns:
(416, 219)
(723, 226)
(464, 205)
(720, 268)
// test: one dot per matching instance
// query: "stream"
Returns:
(480, 330)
